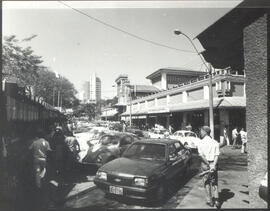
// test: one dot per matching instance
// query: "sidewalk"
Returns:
(233, 183)
(73, 190)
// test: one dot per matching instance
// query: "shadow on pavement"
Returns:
(225, 194)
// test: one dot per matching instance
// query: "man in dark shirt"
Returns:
(39, 148)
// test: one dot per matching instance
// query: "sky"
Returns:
(75, 46)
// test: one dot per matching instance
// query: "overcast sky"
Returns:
(76, 46)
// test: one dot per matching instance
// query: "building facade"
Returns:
(188, 103)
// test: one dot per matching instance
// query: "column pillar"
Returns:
(164, 81)
(184, 122)
(223, 121)
(168, 121)
(206, 117)
(184, 96)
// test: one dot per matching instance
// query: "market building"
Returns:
(187, 102)
(125, 93)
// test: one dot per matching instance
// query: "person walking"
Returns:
(243, 135)
(59, 148)
(208, 150)
(40, 148)
(73, 151)
(226, 137)
(235, 134)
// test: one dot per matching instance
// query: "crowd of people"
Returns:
(34, 158)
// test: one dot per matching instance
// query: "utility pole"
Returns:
(209, 70)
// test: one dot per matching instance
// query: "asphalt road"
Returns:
(96, 199)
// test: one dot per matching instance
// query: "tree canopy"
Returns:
(22, 64)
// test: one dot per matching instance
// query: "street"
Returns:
(182, 191)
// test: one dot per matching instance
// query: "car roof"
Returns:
(183, 131)
(165, 141)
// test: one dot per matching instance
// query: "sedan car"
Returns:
(109, 147)
(187, 138)
(144, 169)
(158, 133)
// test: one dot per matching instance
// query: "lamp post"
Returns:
(130, 103)
(209, 69)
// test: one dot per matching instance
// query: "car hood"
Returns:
(136, 167)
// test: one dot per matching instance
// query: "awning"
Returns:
(109, 113)
(226, 102)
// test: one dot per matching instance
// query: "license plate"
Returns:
(116, 190)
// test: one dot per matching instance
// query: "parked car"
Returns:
(109, 147)
(138, 132)
(263, 189)
(187, 138)
(158, 133)
(144, 169)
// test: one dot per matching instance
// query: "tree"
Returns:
(86, 109)
(22, 64)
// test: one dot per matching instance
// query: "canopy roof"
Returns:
(223, 40)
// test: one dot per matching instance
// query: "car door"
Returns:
(176, 162)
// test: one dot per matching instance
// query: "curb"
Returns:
(80, 193)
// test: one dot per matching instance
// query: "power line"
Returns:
(125, 32)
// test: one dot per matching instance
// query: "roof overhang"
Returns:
(223, 40)
(175, 71)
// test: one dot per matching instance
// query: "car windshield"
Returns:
(146, 151)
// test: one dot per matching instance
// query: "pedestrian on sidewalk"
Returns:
(208, 150)
(59, 148)
(243, 135)
(73, 151)
(40, 148)
(235, 134)
(226, 137)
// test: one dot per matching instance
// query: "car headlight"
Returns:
(102, 175)
(140, 181)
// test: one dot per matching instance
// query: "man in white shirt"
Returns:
(208, 150)
(234, 135)
(243, 135)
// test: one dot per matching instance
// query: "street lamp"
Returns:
(211, 112)
(130, 104)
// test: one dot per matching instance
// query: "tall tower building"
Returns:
(94, 89)
(91, 90)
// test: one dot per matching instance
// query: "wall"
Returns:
(162, 101)
(255, 58)
(196, 94)
(174, 99)
(237, 89)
